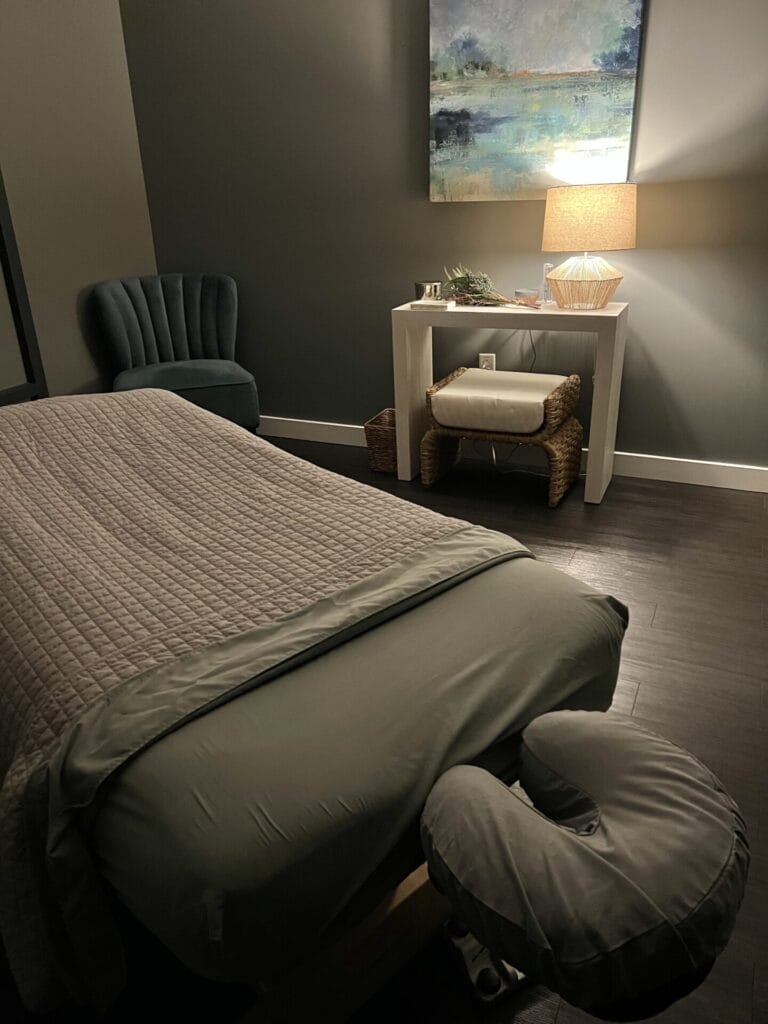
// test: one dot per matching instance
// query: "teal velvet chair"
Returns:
(177, 332)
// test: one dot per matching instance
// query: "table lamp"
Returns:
(587, 217)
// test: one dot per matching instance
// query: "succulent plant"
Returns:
(471, 288)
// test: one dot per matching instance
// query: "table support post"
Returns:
(412, 363)
(609, 363)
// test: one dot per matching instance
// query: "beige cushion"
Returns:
(495, 400)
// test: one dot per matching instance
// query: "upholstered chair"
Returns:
(177, 332)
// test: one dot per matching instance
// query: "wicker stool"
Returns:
(559, 435)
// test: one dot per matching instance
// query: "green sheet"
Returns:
(252, 835)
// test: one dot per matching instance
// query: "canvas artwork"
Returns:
(527, 94)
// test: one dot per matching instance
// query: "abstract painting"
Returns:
(527, 94)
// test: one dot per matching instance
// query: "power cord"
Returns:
(499, 465)
(531, 342)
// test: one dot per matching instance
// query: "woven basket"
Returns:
(381, 440)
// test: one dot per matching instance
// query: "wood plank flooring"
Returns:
(692, 565)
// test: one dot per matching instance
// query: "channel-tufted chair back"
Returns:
(167, 318)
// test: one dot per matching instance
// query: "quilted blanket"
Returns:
(155, 559)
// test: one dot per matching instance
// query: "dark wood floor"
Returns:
(692, 565)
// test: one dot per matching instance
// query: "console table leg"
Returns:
(412, 362)
(609, 363)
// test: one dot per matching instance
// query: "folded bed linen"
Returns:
(157, 562)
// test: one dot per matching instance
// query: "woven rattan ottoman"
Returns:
(559, 434)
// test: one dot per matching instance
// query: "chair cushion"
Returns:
(183, 375)
(495, 400)
(617, 885)
(238, 403)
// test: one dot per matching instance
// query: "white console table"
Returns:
(412, 357)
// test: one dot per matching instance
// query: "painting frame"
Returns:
(528, 94)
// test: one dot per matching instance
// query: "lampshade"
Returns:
(589, 217)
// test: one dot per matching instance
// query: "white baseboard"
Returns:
(647, 467)
(692, 471)
(313, 430)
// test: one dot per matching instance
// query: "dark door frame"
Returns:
(35, 386)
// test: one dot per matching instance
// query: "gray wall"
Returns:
(71, 165)
(286, 144)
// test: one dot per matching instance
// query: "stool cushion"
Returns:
(495, 401)
(617, 885)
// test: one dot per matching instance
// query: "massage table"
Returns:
(229, 681)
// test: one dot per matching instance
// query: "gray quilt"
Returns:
(154, 562)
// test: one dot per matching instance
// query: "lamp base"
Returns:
(584, 282)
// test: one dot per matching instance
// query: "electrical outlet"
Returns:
(487, 360)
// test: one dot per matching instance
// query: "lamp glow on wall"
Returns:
(588, 217)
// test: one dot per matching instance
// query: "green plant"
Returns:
(471, 288)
